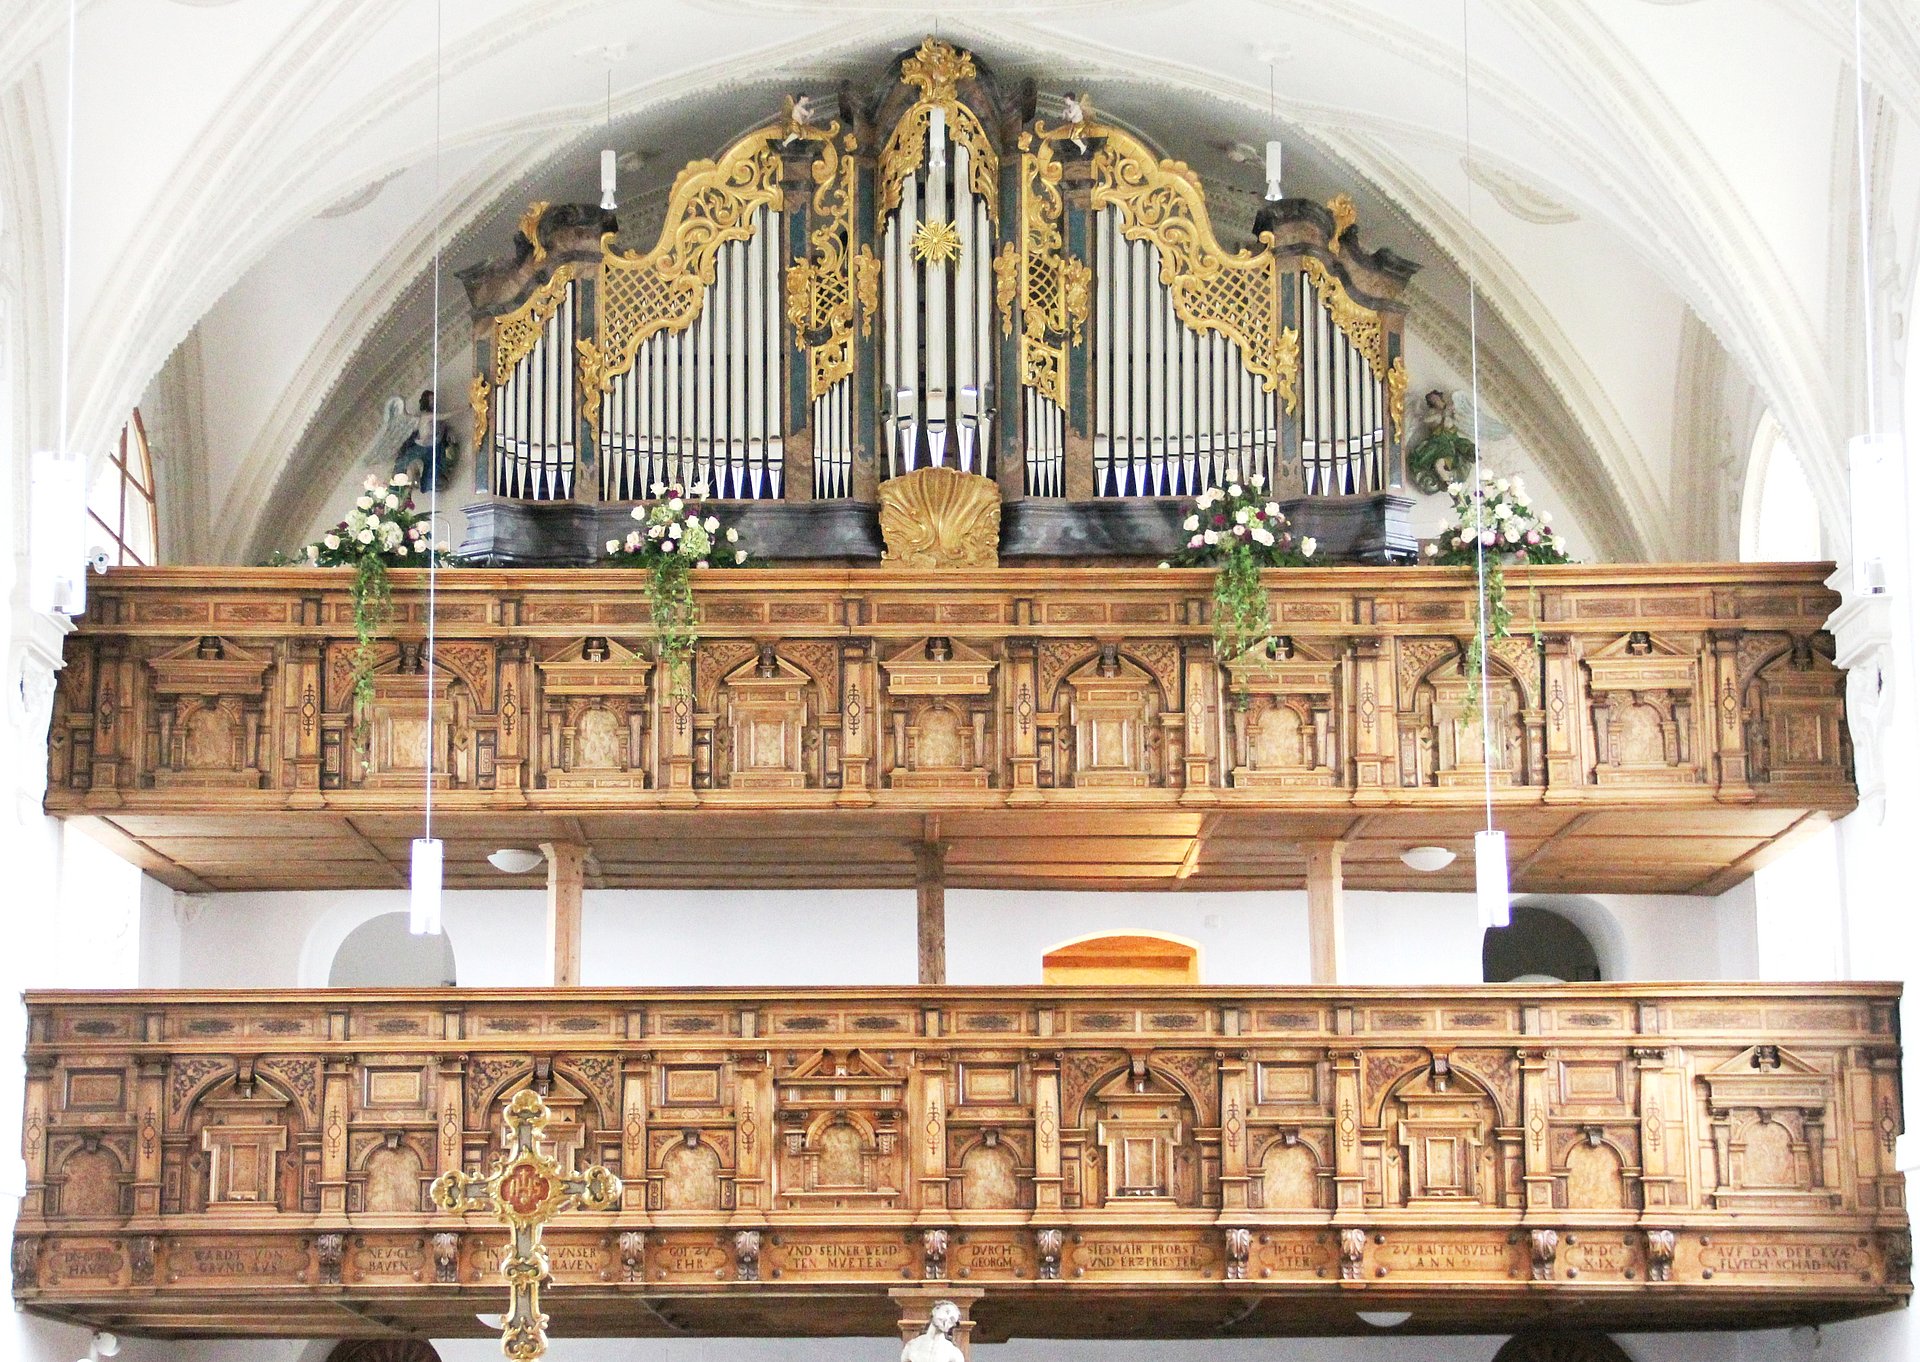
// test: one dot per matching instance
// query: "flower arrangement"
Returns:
(672, 539)
(1239, 530)
(383, 530)
(1494, 518)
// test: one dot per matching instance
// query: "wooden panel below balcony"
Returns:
(1669, 729)
(1171, 1162)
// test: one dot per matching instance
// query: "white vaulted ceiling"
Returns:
(1656, 210)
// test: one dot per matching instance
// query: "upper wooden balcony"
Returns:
(1074, 1162)
(1660, 727)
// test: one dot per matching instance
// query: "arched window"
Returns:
(120, 503)
(1780, 521)
(382, 953)
(1540, 947)
(1122, 958)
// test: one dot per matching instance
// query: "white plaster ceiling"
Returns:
(260, 175)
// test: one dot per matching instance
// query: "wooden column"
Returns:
(1046, 1131)
(930, 889)
(1326, 926)
(566, 868)
(336, 1084)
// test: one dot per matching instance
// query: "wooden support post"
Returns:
(566, 867)
(1326, 926)
(930, 888)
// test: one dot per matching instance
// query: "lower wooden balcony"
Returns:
(1657, 729)
(1171, 1162)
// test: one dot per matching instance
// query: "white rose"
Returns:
(1165, 563)
(1256, 482)
(1262, 535)
(364, 537)
(654, 531)
(1433, 550)
(332, 541)
(1501, 484)
(1455, 488)
(699, 489)
(1308, 546)
(1272, 508)
(372, 484)
(713, 523)
(675, 504)
(364, 504)
(1233, 489)
(393, 501)
(1242, 516)
(1192, 522)
(313, 553)
(656, 489)
(441, 547)
(613, 546)
(740, 556)
(1211, 537)
(399, 480)
(401, 549)
(733, 535)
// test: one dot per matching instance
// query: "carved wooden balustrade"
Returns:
(1656, 727)
(1164, 1162)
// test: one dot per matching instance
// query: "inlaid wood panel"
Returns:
(1671, 1154)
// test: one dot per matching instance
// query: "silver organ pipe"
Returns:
(1175, 408)
(938, 353)
(1344, 416)
(534, 422)
(701, 405)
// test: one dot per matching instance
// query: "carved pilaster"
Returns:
(636, 1074)
(1729, 726)
(1200, 686)
(1537, 1168)
(928, 1117)
(1046, 1132)
(1233, 1131)
(1023, 719)
(512, 756)
(859, 723)
(33, 1136)
(450, 1114)
(1564, 714)
(1347, 1177)
(301, 700)
(1663, 1144)
(1372, 704)
(149, 1097)
(753, 1128)
(335, 1093)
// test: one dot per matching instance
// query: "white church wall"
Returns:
(820, 937)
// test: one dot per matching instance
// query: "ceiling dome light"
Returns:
(515, 860)
(1427, 859)
(1385, 1319)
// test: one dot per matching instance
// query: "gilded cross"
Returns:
(526, 1188)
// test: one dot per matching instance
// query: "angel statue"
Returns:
(428, 454)
(936, 1344)
(799, 117)
(1076, 110)
(1442, 454)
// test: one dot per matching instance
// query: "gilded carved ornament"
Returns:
(936, 69)
(1055, 290)
(1397, 397)
(712, 203)
(1358, 322)
(823, 286)
(514, 335)
(529, 227)
(940, 518)
(1345, 215)
(1234, 293)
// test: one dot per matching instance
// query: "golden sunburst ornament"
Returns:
(936, 242)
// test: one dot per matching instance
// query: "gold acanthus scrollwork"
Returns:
(1056, 290)
(1345, 215)
(514, 335)
(937, 68)
(592, 378)
(529, 227)
(1234, 293)
(1357, 322)
(1397, 397)
(712, 203)
(479, 397)
(822, 287)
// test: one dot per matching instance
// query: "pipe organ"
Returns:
(936, 277)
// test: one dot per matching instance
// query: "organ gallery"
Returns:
(940, 486)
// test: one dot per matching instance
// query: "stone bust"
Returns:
(936, 1344)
